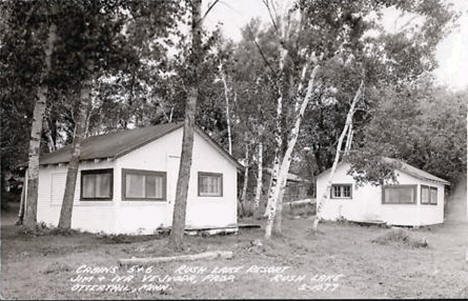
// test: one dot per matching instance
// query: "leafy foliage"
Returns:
(421, 125)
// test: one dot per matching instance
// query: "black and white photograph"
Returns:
(233, 149)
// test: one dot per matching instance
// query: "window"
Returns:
(210, 184)
(399, 194)
(341, 191)
(96, 184)
(428, 195)
(143, 185)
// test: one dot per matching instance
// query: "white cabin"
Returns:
(127, 182)
(416, 199)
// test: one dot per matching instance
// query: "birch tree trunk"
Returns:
(243, 201)
(30, 219)
(180, 206)
(349, 139)
(286, 162)
(228, 117)
(278, 138)
(258, 190)
(283, 53)
(276, 160)
(349, 118)
(72, 171)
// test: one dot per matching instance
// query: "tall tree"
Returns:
(72, 170)
(36, 128)
(99, 26)
(180, 206)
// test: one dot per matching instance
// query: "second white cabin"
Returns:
(417, 199)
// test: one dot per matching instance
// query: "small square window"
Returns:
(341, 191)
(210, 184)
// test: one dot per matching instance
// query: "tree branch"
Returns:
(210, 7)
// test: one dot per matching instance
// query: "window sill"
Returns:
(144, 200)
(80, 203)
(399, 204)
(127, 204)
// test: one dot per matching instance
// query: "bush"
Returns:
(401, 237)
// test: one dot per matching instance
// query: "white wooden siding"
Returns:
(366, 203)
(144, 217)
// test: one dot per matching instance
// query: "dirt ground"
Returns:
(342, 261)
(43, 266)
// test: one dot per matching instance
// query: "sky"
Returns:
(452, 51)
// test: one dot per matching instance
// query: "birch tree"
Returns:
(278, 188)
(228, 115)
(346, 130)
(321, 34)
(259, 187)
(282, 31)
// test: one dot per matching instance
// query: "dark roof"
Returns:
(117, 144)
(408, 169)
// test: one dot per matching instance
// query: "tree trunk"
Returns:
(286, 162)
(72, 171)
(36, 131)
(48, 134)
(171, 114)
(349, 139)
(19, 221)
(283, 51)
(228, 117)
(279, 203)
(180, 206)
(243, 201)
(258, 190)
(278, 220)
(349, 119)
(276, 161)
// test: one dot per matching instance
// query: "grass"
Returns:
(36, 267)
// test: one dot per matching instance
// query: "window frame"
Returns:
(332, 196)
(144, 172)
(86, 172)
(396, 186)
(209, 174)
(430, 189)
